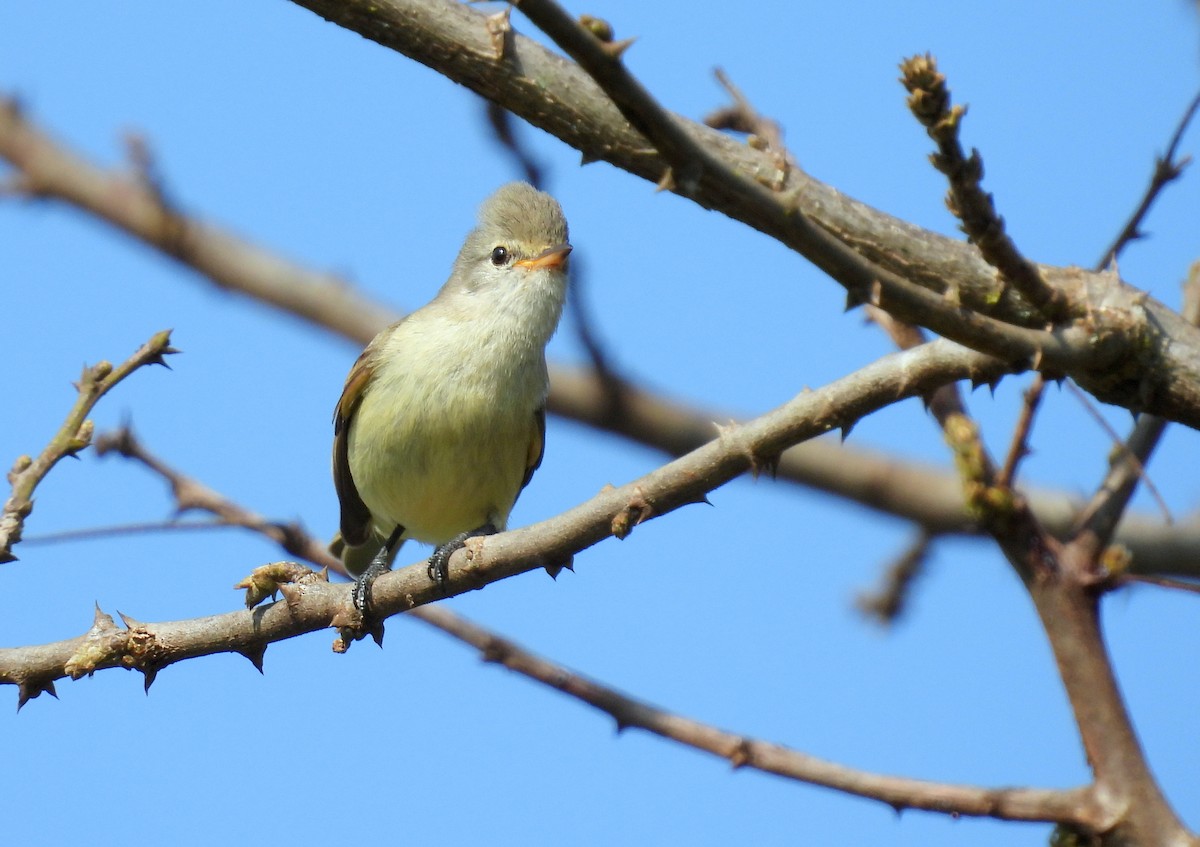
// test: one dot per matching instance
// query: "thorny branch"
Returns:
(929, 100)
(1129, 805)
(927, 496)
(1077, 806)
(314, 604)
(1158, 353)
(1167, 169)
(74, 435)
(1061, 578)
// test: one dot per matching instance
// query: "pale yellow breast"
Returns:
(441, 439)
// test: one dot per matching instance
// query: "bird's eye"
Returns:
(500, 256)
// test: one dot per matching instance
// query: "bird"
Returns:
(442, 419)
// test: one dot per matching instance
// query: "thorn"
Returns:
(157, 358)
(28, 691)
(853, 300)
(255, 654)
(292, 594)
(346, 618)
(616, 49)
(666, 182)
(498, 27)
(100, 620)
(586, 158)
(151, 674)
(377, 634)
(846, 430)
(130, 622)
(555, 568)
(621, 725)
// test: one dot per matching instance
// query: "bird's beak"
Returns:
(549, 259)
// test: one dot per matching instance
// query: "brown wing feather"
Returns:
(356, 517)
(537, 445)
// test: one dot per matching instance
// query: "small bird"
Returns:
(442, 420)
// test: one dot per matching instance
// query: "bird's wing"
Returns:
(356, 517)
(537, 445)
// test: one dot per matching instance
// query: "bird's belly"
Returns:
(438, 475)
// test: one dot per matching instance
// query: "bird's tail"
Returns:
(356, 558)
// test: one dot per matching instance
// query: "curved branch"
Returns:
(925, 495)
(1147, 357)
(1077, 806)
(313, 603)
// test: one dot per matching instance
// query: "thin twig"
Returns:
(1167, 169)
(929, 100)
(501, 122)
(74, 435)
(1078, 805)
(190, 494)
(763, 133)
(886, 603)
(117, 530)
(1126, 467)
(1097, 522)
(945, 400)
(1018, 447)
(1002, 511)
(1189, 585)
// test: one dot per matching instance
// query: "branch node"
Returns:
(598, 27)
(638, 509)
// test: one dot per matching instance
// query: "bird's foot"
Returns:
(361, 595)
(439, 562)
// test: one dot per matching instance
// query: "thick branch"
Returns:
(1159, 371)
(924, 495)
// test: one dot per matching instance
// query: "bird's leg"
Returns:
(379, 565)
(439, 562)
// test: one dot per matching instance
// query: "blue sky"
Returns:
(336, 153)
